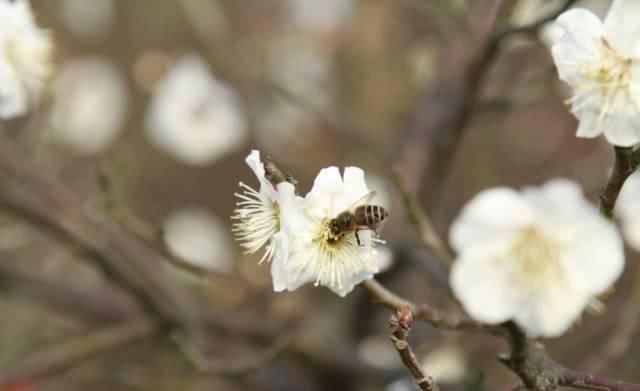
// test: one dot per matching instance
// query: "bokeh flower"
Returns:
(89, 106)
(316, 254)
(599, 60)
(25, 51)
(195, 117)
(538, 257)
(198, 237)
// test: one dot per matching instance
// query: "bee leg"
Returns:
(358, 238)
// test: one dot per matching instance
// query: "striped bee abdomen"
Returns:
(370, 215)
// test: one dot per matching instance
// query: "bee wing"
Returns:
(364, 200)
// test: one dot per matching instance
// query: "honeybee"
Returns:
(360, 216)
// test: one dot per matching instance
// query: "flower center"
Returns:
(608, 82)
(535, 257)
(337, 257)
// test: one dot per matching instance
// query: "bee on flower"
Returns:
(307, 239)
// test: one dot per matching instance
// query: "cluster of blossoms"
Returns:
(601, 63)
(25, 52)
(296, 231)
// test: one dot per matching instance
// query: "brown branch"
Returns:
(54, 359)
(400, 326)
(626, 162)
(539, 372)
(422, 312)
(422, 224)
(93, 303)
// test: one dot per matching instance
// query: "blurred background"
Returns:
(155, 104)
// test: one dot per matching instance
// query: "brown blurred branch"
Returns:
(75, 350)
(539, 372)
(400, 324)
(422, 312)
(626, 162)
(93, 302)
(422, 224)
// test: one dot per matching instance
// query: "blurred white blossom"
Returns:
(24, 58)
(195, 117)
(446, 364)
(257, 218)
(537, 257)
(197, 236)
(316, 254)
(321, 16)
(628, 210)
(89, 106)
(91, 20)
(599, 61)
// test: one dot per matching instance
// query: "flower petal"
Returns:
(622, 27)
(354, 184)
(552, 311)
(493, 214)
(582, 26)
(326, 186)
(588, 124)
(481, 280)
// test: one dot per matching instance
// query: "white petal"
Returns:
(256, 165)
(582, 26)
(588, 124)
(492, 215)
(355, 186)
(550, 312)
(327, 185)
(481, 280)
(596, 257)
(622, 27)
(622, 131)
(279, 272)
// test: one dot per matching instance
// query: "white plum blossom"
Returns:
(195, 117)
(628, 210)
(315, 254)
(25, 51)
(257, 218)
(600, 62)
(89, 105)
(198, 237)
(538, 257)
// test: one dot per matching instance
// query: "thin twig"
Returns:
(50, 360)
(626, 162)
(400, 326)
(422, 312)
(422, 224)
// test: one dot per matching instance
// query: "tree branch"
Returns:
(422, 312)
(74, 350)
(400, 326)
(539, 372)
(626, 162)
(422, 224)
